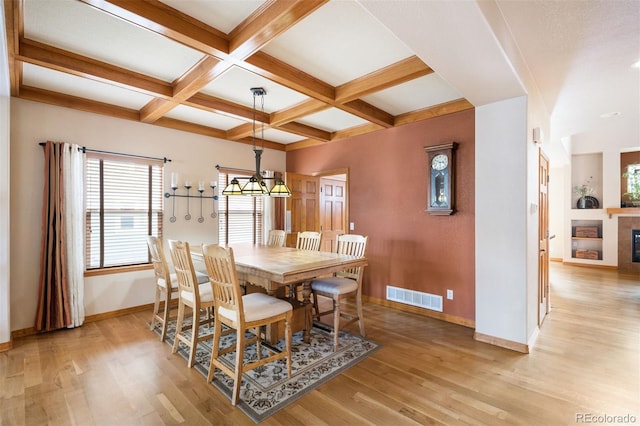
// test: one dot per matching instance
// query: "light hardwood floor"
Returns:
(586, 361)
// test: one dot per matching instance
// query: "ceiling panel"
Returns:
(338, 43)
(332, 120)
(235, 85)
(420, 93)
(79, 28)
(47, 79)
(205, 118)
(223, 15)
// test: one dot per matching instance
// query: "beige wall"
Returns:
(192, 156)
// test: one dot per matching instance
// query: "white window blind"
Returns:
(124, 204)
(240, 216)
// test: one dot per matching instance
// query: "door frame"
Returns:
(544, 285)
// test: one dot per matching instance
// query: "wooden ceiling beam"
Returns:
(355, 131)
(14, 23)
(275, 70)
(392, 75)
(306, 131)
(240, 132)
(68, 62)
(434, 111)
(266, 23)
(223, 106)
(308, 107)
(368, 112)
(74, 102)
(302, 144)
(186, 126)
(185, 87)
(168, 22)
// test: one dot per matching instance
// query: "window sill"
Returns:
(117, 270)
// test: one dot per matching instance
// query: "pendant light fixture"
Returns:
(256, 185)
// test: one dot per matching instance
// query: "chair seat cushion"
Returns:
(258, 306)
(202, 278)
(206, 294)
(334, 285)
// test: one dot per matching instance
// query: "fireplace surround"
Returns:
(629, 244)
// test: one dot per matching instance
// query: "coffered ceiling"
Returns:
(330, 69)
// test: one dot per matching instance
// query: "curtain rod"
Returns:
(84, 150)
(231, 169)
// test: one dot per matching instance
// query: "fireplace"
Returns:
(629, 244)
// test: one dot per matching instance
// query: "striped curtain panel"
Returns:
(61, 279)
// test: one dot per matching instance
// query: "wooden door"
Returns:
(543, 233)
(333, 214)
(302, 208)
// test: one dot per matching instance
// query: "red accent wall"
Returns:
(407, 247)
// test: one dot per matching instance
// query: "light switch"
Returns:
(352, 226)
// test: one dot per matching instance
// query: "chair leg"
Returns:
(215, 351)
(316, 308)
(156, 308)
(178, 327)
(287, 342)
(167, 304)
(195, 327)
(259, 341)
(360, 316)
(237, 380)
(336, 321)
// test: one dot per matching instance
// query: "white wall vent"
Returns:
(415, 298)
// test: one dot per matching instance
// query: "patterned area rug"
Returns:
(267, 389)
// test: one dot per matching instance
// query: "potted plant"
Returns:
(583, 191)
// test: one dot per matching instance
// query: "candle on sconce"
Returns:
(174, 180)
(187, 184)
(213, 184)
(201, 186)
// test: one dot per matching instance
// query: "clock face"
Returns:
(440, 162)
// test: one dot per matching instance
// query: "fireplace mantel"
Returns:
(630, 211)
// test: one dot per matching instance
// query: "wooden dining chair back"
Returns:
(251, 312)
(166, 285)
(277, 238)
(344, 284)
(309, 240)
(197, 297)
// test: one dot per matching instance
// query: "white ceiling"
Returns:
(576, 54)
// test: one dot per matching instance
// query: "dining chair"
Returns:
(251, 312)
(277, 238)
(342, 285)
(166, 284)
(309, 240)
(192, 295)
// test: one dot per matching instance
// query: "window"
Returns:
(240, 216)
(124, 204)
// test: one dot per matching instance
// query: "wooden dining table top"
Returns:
(286, 265)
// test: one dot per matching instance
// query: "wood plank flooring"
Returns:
(586, 362)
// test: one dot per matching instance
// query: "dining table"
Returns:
(273, 268)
